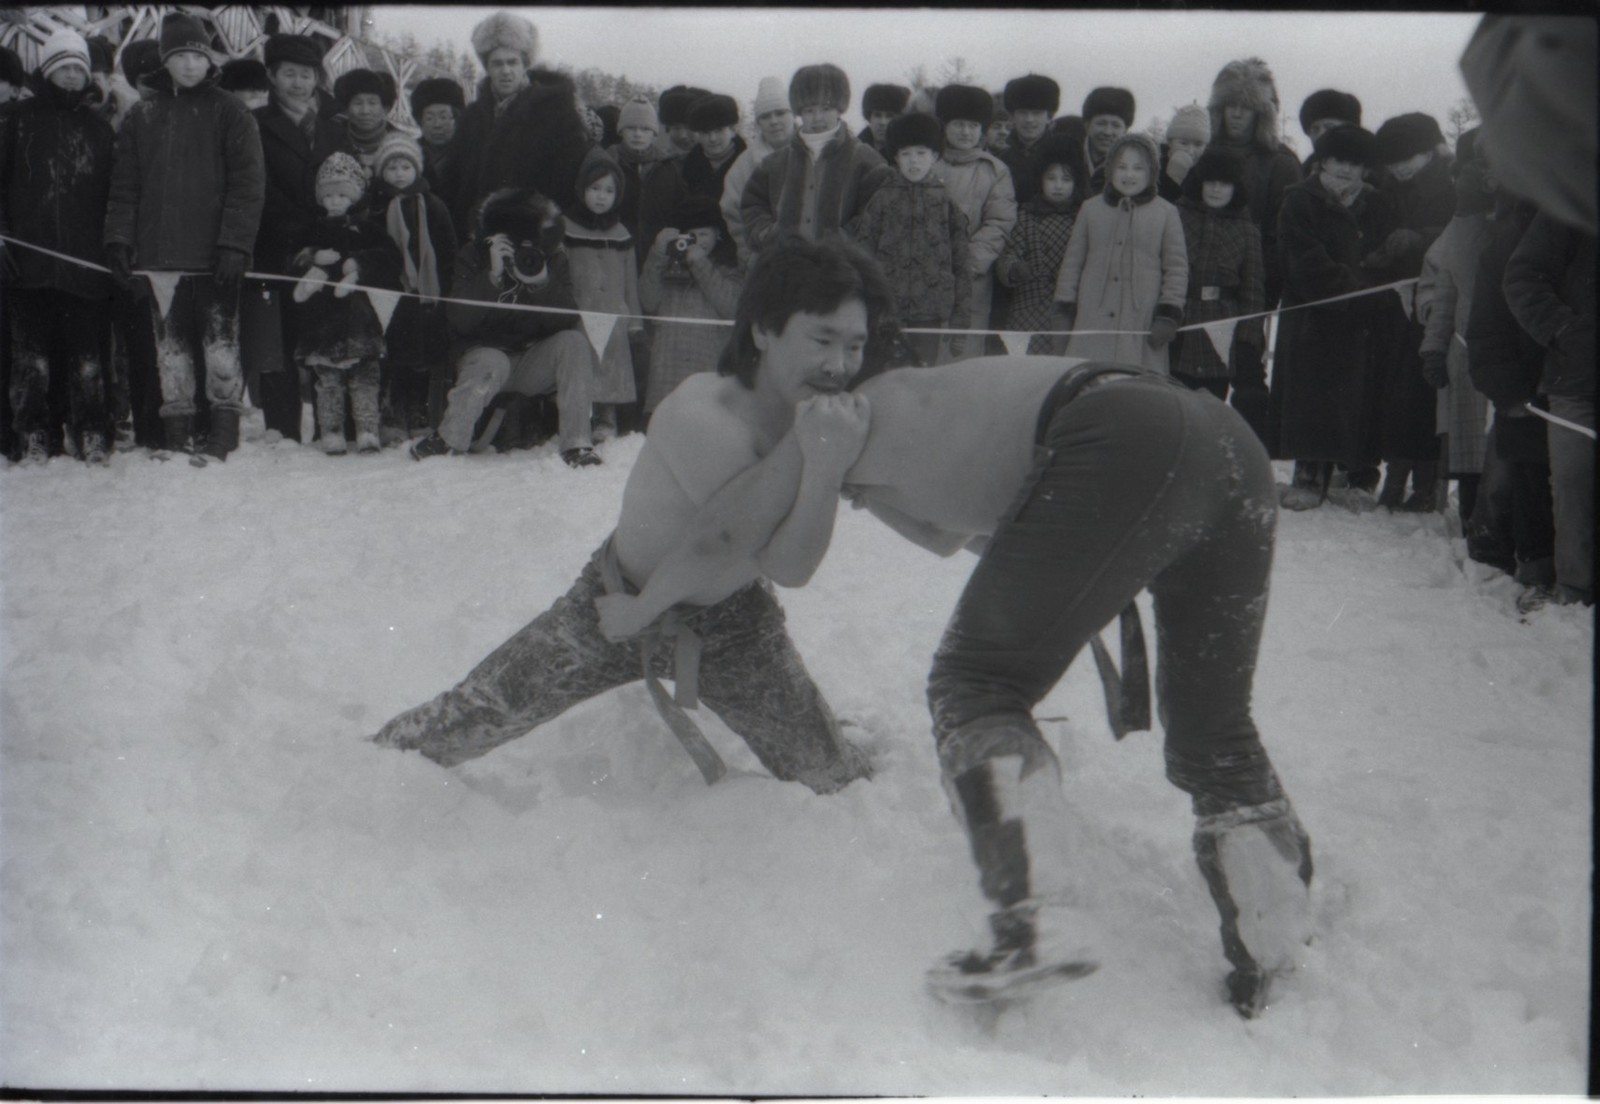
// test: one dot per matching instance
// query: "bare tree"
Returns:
(956, 70)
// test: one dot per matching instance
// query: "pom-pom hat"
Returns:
(341, 174)
(64, 47)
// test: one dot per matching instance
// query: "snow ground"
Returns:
(212, 882)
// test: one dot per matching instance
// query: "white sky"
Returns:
(1392, 62)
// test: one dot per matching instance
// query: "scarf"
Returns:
(422, 274)
(961, 157)
(366, 145)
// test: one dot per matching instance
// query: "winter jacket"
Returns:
(290, 164)
(536, 140)
(733, 182)
(417, 335)
(1226, 274)
(1444, 307)
(605, 277)
(980, 184)
(1321, 379)
(679, 351)
(692, 175)
(1549, 285)
(816, 199)
(1022, 161)
(1038, 243)
(188, 178)
(1124, 267)
(636, 169)
(1269, 171)
(334, 330)
(919, 236)
(511, 332)
(1425, 204)
(55, 179)
(1505, 363)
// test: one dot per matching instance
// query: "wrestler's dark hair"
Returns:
(794, 276)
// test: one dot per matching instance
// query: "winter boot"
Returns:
(367, 441)
(429, 446)
(35, 449)
(1423, 492)
(224, 435)
(1256, 861)
(1394, 485)
(94, 448)
(581, 457)
(1310, 486)
(177, 431)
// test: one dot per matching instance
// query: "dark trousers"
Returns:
(1138, 483)
(266, 347)
(56, 335)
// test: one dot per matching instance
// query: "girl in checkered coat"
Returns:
(1032, 256)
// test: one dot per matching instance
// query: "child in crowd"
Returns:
(980, 184)
(1186, 139)
(1038, 244)
(1226, 271)
(637, 154)
(1125, 269)
(365, 97)
(416, 362)
(605, 278)
(919, 236)
(55, 157)
(187, 188)
(339, 335)
(690, 272)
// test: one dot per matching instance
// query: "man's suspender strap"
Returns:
(686, 670)
(1128, 691)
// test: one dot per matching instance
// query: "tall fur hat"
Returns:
(295, 48)
(435, 91)
(1348, 143)
(521, 215)
(712, 111)
(506, 30)
(819, 84)
(673, 106)
(1330, 103)
(1222, 164)
(1109, 101)
(357, 81)
(1065, 150)
(1033, 93)
(1247, 82)
(885, 97)
(244, 74)
(140, 58)
(914, 128)
(1405, 136)
(964, 101)
(11, 70)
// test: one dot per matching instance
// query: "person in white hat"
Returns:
(774, 128)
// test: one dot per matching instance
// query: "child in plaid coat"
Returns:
(1032, 256)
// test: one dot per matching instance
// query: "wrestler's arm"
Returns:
(924, 534)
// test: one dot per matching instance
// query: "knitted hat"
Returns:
(1033, 93)
(341, 174)
(11, 70)
(140, 58)
(885, 97)
(1109, 101)
(637, 112)
(1247, 83)
(694, 212)
(1330, 103)
(964, 101)
(712, 111)
(1351, 144)
(178, 33)
(913, 129)
(819, 84)
(63, 47)
(397, 144)
(770, 96)
(1192, 122)
(597, 163)
(505, 30)
(673, 106)
(1065, 150)
(101, 53)
(1405, 136)
(245, 74)
(435, 91)
(1220, 164)
(293, 48)
(358, 81)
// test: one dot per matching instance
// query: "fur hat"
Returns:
(1144, 144)
(694, 212)
(1065, 150)
(101, 53)
(1347, 143)
(770, 96)
(637, 112)
(244, 74)
(819, 84)
(435, 91)
(1405, 136)
(11, 70)
(1222, 164)
(1247, 83)
(885, 97)
(608, 114)
(1330, 103)
(396, 144)
(294, 48)
(1192, 122)
(341, 174)
(63, 47)
(712, 111)
(1033, 93)
(1109, 101)
(358, 81)
(521, 215)
(964, 101)
(140, 58)
(913, 129)
(673, 106)
(506, 30)
(179, 32)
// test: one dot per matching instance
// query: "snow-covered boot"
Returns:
(36, 449)
(1394, 485)
(1256, 861)
(177, 431)
(94, 448)
(224, 435)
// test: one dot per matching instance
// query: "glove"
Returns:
(347, 282)
(309, 284)
(1435, 370)
(1162, 331)
(1018, 273)
(228, 267)
(1402, 243)
(119, 259)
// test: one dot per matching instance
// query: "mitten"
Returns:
(347, 282)
(1435, 369)
(228, 268)
(309, 284)
(1162, 331)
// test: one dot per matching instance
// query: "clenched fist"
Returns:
(832, 429)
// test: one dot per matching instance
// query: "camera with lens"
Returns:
(678, 258)
(528, 260)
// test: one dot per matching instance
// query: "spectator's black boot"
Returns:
(224, 435)
(177, 432)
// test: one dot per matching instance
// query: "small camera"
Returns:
(681, 244)
(678, 258)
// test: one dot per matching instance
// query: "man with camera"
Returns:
(514, 265)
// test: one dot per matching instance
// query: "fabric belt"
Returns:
(677, 625)
(1127, 692)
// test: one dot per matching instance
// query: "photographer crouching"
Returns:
(514, 257)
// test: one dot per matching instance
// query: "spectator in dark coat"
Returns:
(881, 104)
(677, 137)
(437, 105)
(1033, 101)
(714, 120)
(1320, 112)
(365, 97)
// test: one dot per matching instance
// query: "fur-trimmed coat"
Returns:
(605, 277)
(919, 236)
(790, 192)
